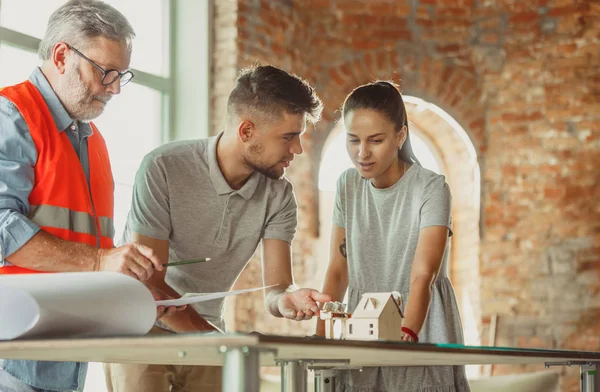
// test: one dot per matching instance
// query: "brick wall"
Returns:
(523, 80)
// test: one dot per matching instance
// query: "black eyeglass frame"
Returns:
(119, 75)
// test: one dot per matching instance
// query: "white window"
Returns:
(15, 64)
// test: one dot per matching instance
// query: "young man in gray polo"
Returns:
(219, 198)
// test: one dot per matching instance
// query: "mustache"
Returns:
(102, 98)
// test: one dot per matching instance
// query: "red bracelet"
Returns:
(410, 333)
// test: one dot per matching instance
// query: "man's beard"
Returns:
(76, 97)
(253, 161)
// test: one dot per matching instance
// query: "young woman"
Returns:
(391, 228)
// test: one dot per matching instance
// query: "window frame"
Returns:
(186, 95)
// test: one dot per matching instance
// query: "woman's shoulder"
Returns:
(427, 178)
(349, 177)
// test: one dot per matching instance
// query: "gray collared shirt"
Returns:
(181, 195)
(18, 157)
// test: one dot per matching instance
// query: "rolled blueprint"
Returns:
(75, 304)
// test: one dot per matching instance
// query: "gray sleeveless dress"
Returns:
(382, 231)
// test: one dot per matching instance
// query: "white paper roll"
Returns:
(76, 304)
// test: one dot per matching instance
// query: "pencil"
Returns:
(186, 262)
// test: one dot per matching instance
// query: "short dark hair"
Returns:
(272, 91)
(383, 97)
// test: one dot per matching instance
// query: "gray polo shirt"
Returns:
(181, 195)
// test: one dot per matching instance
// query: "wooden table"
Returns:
(242, 355)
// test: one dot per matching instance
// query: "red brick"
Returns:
(365, 44)
(452, 23)
(403, 9)
(459, 12)
(525, 17)
(445, 49)
(568, 10)
(398, 35)
(425, 23)
(423, 12)
(381, 8)
(382, 60)
(522, 117)
(554, 192)
(352, 19)
(320, 4)
(489, 38)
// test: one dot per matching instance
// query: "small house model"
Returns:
(378, 316)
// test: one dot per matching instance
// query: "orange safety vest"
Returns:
(60, 201)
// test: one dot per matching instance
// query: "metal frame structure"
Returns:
(242, 356)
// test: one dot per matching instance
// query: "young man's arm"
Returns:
(186, 320)
(336, 278)
(284, 300)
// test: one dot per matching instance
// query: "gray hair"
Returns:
(77, 21)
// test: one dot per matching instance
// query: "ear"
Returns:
(402, 136)
(60, 52)
(246, 130)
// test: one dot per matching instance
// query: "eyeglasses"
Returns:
(109, 76)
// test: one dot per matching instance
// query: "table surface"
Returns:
(205, 349)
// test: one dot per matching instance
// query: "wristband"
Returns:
(410, 333)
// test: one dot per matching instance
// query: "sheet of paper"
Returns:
(193, 298)
(76, 304)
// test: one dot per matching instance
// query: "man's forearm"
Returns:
(187, 320)
(272, 298)
(45, 252)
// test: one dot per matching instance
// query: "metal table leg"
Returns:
(324, 380)
(589, 376)
(240, 369)
(294, 372)
(293, 376)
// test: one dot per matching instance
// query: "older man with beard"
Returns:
(56, 185)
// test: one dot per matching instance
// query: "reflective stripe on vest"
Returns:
(107, 226)
(64, 218)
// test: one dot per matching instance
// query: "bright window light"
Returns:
(28, 16)
(15, 64)
(149, 21)
(131, 126)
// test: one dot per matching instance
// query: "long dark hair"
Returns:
(383, 97)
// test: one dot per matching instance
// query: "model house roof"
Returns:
(371, 305)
